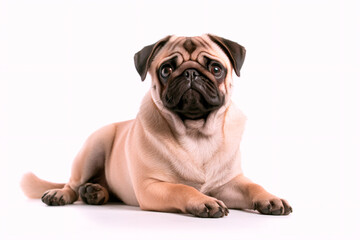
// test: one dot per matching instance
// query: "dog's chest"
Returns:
(203, 164)
(200, 150)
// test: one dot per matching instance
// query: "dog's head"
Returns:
(192, 76)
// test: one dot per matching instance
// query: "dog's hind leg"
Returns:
(88, 172)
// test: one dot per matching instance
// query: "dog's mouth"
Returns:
(193, 105)
(192, 96)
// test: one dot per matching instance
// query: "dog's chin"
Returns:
(193, 115)
(194, 121)
(194, 124)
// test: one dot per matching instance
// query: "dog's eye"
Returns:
(216, 70)
(166, 71)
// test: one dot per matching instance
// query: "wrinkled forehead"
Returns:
(191, 48)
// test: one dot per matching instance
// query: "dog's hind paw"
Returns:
(93, 194)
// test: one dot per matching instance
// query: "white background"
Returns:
(66, 69)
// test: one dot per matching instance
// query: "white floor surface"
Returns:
(31, 219)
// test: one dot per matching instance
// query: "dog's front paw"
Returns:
(207, 208)
(272, 206)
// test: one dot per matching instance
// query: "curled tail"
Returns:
(34, 187)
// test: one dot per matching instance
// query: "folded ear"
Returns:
(144, 57)
(234, 51)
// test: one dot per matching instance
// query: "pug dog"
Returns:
(181, 153)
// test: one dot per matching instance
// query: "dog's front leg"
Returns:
(241, 193)
(170, 197)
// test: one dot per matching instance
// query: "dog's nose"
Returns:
(190, 74)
